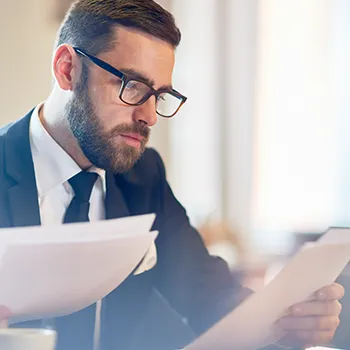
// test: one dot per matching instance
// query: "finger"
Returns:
(291, 323)
(4, 312)
(4, 324)
(291, 340)
(332, 292)
(317, 308)
(314, 338)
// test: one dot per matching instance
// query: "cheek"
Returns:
(109, 109)
(111, 115)
(103, 95)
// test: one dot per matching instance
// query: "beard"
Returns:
(100, 146)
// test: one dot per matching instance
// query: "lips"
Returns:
(136, 137)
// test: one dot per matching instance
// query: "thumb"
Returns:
(5, 313)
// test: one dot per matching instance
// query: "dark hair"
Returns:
(89, 24)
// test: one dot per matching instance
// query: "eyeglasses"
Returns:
(134, 92)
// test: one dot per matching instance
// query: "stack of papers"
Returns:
(251, 325)
(57, 270)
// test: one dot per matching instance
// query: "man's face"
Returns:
(112, 134)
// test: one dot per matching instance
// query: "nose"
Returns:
(146, 113)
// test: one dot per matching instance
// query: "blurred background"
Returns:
(260, 152)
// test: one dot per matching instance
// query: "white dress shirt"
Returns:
(53, 168)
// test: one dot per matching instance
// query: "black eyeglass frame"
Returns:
(126, 79)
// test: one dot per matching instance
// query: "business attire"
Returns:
(53, 168)
(166, 307)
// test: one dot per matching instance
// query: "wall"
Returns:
(195, 131)
(27, 35)
(300, 143)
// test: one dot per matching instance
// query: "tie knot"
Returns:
(82, 184)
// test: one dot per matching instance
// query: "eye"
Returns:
(133, 85)
(161, 98)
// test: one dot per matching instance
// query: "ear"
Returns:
(66, 67)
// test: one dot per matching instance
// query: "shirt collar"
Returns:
(53, 166)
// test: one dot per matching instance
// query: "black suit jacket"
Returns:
(164, 308)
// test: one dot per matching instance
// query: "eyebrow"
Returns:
(139, 76)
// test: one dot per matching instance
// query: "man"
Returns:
(112, 70)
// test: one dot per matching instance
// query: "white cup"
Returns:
(27, 339)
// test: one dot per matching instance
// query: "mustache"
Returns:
(135, 128)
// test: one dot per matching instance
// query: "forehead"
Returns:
(149, 56)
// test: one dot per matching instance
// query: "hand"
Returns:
(313, 322)
(5, 313)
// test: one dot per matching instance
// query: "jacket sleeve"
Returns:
(198, 286)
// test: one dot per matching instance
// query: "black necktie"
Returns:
(73, 333)
(82, 184)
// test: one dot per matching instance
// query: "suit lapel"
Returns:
(136, 315)
(23, 197)
(115, 202)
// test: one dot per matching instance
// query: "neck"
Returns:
(53, 119)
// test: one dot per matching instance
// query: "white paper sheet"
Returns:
(76, 231)
(335, 235)
(322, 348)
(250, 325)
(54, 271)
